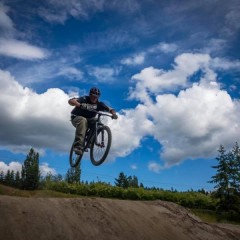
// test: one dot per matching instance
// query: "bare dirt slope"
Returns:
(97, 218)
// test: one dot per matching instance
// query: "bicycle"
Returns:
(98, 139)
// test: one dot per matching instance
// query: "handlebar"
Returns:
(97, 112)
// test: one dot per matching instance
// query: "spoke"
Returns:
(99, 150)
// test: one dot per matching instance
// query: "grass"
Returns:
(10, 191)
(211, 216)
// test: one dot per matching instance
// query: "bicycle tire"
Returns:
(105, 150)
(74, 159)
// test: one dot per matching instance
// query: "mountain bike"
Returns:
(98, 139)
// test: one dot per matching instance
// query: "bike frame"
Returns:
(93, 132)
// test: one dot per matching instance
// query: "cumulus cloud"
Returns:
(129, 129)
(157, 80)
(193, 123)
(17, 167)
(12, 166)
(45, 170)
(31, 119)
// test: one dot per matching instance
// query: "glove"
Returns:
(115, 116)
(84, 106)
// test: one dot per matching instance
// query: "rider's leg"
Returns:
(81, 124)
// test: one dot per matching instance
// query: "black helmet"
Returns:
(95, 91)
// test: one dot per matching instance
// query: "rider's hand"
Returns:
(84, 105)
(115, 116)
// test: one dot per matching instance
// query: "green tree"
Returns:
(17, 182)
(227, 180)
(2, 177)
(74, 175)
(122, 180)
(222, 177)
(30, 171)
(133, 181)
(9, 178)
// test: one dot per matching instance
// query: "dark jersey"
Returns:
(98, 106)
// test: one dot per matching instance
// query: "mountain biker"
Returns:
(81, 118)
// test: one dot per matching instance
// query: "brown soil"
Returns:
(23, 218)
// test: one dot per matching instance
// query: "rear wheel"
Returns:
(100, 148)
(74, 159)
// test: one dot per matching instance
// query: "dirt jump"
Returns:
(23, 218)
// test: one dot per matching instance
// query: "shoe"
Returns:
(78, 151)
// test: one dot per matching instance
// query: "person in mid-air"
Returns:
(82, 118)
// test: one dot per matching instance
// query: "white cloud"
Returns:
(45, 169)
(12, 166)
(134, 166)
(71, 73)
(48, 69)
(163, 47)
(103, 74)
(6, 23)
(17, 166)
(195, 122)
(157, 80)
(154, 167)
(34, 120)
(128, 130)
(225, 64)
(21, 50)
(135, 60)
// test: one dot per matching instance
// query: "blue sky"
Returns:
(171, 70)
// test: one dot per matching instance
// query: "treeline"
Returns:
(30, 178)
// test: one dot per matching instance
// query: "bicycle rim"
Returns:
(74, 159)
(99, 151)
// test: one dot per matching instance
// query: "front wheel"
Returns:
(74, 159)
(101, 146)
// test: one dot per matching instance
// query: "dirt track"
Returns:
(98, 218)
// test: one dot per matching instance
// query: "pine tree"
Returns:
(227, 180)
(73, 175)
(17, 180)
(135, 182)
(30, 171)
(122, 180)
(8, 178)
(2, 177)
(222, 177)
(132, 181)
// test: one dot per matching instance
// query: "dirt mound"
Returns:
(98, 218)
